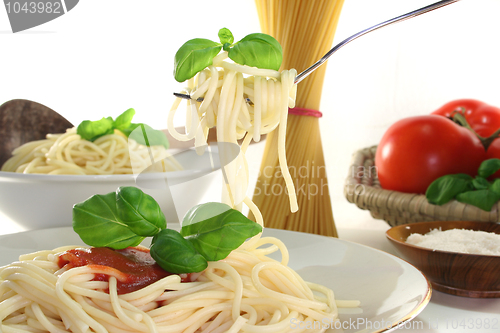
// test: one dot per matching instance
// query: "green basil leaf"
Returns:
(92, 130)
(216, 236)
(489, 167)
(480, 183)
(147, 136)
(447, 187)
(97, 223)
(139, 211)
(203, 212)
(257, 50)
(226, 36)
(130, 129)
(192, 57)
(175, 254)
(484, 199)
(495, 186)
(124, 120)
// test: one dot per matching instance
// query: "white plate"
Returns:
(390, 290)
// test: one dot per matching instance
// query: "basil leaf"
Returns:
(193, 56)
(97, 223)
(226, 36)
(203, 212)
(257, 50)
(130, 129)
(175, 254)
(218, 235)
(124, 120)
(139, 211)
(92, 130)
(480, 183)
(489, 167)
(484, 199)
(447, 187)
(495, 187)
(146, 135)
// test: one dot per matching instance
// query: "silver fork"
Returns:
(321, 61)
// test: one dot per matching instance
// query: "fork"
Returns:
(346, 41)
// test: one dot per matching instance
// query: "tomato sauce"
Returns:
(133, 267)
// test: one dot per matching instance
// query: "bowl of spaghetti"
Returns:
(43, 179)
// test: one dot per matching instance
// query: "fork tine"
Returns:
(200, 99)
(185, 96)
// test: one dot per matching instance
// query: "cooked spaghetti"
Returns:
(248, 292)
(220, 98)
(69, 154)
(227, 89)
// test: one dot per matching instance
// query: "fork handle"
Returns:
(403, 17)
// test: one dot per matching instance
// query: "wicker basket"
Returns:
(363, 189)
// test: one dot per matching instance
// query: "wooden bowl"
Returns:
(461, 274)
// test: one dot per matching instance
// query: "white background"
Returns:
(106, 56)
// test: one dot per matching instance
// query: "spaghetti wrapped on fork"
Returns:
(244, 103)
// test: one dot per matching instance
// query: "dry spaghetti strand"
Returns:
(305, 30)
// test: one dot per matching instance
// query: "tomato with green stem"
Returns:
(483, 118)
(415, 151)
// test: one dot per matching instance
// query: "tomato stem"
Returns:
(459, 118)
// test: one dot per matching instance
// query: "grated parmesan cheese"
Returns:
(458, 240)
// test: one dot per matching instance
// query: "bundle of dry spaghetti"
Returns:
(305, 29)
(69, 154)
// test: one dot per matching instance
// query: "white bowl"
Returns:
(44, 201)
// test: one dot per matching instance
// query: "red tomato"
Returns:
(483, 118)
(417, 150)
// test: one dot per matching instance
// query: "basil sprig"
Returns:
(255, 50)
(92, 130)
(97, 222)
(193, 56)
(476, 191)
(124, 218)
(218, 219)
(175, 254)
(124, 121)
(142, 133)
